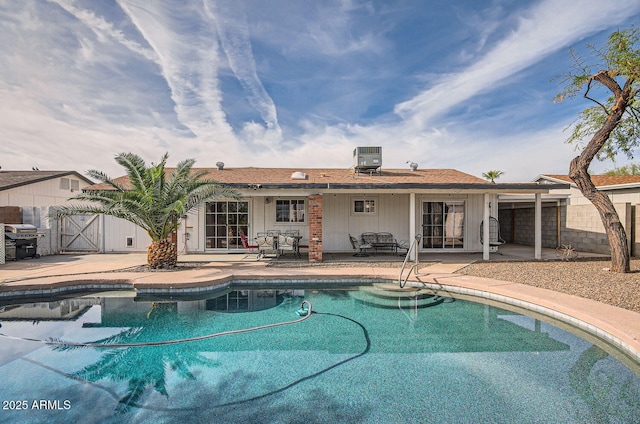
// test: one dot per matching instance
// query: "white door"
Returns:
(80, 233)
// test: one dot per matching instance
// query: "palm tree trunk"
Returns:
(162, 254)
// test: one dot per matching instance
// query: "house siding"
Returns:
(392, 213)
(338, 221)
(39, 194)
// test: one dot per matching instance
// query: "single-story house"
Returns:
(326, 205)
(567, 216)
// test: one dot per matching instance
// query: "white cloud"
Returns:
(545, 29)
(189, 61)
(104, 29)
(233, 31)
(77, 88)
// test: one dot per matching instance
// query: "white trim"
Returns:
(305, 216)
(486, 215)
(464, 225)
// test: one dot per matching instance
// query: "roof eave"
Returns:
(46, 178)
(489, 187)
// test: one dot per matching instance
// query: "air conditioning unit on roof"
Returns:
(367, 159)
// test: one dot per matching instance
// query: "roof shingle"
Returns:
(11, 179)
(602, 180)
(282, 176)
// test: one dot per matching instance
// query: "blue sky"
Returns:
(286, 83)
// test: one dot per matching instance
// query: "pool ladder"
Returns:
(416, 263)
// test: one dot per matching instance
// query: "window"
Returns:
(224, 222)
(290, 210)
(442, 225)
(66, 184)
(364, 206)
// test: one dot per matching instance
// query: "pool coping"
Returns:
(614, 326)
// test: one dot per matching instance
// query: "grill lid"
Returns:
(20, 229)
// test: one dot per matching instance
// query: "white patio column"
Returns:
(538, 227)
(412, 223)
(485, 228)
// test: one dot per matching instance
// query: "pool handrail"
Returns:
(414, 267)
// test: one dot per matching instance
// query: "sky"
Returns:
(462, 84)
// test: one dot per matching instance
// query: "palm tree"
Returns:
(492, 175)
(151, 200)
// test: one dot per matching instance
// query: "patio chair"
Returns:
(249, 248)
(266, 244)
(286, 243)
(361, 247)
(494, 234)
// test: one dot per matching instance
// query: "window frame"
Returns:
(288, 203)
(371, 201)
(443, 226)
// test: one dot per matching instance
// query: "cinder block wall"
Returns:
(583, 227)
(518, 226)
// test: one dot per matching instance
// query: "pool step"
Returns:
(392, 298)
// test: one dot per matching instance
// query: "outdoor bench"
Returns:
(381, 241)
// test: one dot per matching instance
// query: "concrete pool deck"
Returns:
(61, 274)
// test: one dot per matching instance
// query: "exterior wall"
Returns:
(517, 225)
(392, 214)
(338, 221)
(115, 233)
(583, 227)
(44, 193)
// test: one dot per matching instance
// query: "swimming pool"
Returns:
(366, 355)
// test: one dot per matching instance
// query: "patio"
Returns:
(507, 252)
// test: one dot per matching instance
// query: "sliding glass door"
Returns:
(442, 225)
(224, 222)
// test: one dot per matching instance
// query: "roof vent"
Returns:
(298, 175)
(220, 165)
(368, 159)
(413, 165)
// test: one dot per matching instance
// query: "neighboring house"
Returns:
(326, 205)
(37, 191)
(570, 218)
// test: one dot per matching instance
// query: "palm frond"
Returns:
(154, 201)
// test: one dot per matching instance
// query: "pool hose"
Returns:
(51, 341)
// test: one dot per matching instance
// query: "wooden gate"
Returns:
(80, 233)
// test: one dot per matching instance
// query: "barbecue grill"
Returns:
(20, 241)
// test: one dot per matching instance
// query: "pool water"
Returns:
(364, 356)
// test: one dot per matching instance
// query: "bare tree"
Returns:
(612, 123)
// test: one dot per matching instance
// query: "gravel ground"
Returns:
(590, 279)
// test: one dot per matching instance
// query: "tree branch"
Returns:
(585, 95)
